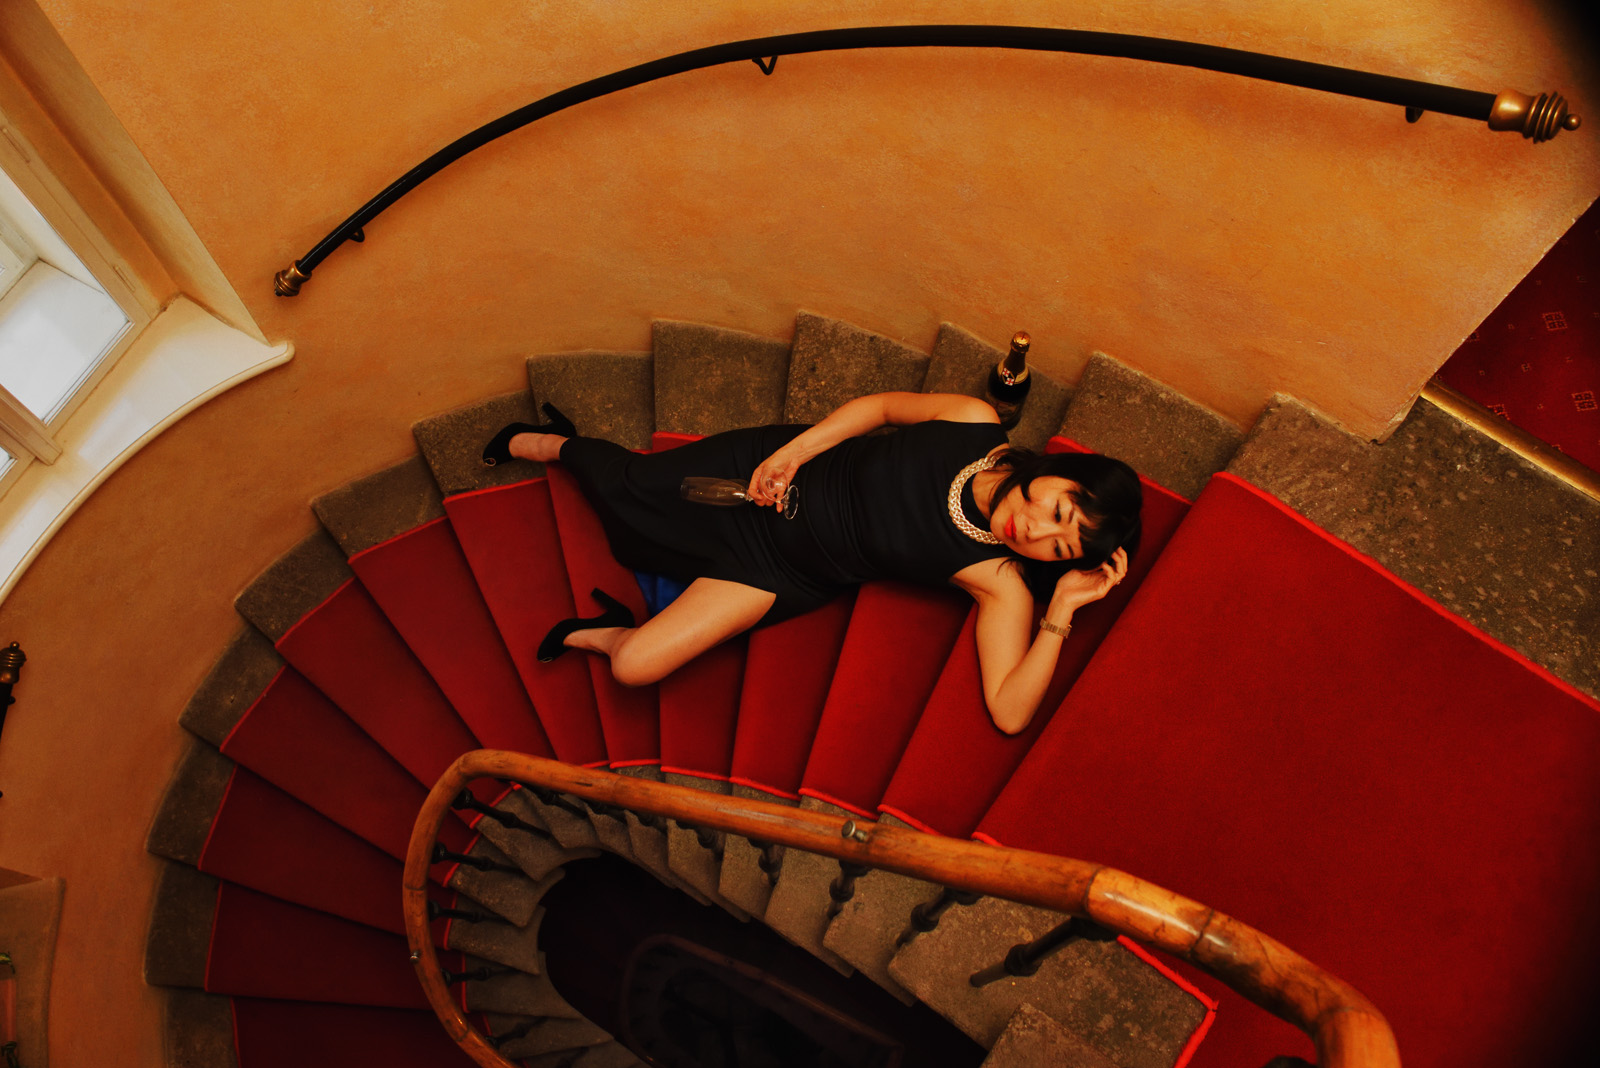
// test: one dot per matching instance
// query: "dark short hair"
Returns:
(1109, 498)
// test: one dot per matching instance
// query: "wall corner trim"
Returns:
(182, 359)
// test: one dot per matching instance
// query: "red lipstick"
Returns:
(1011, 528)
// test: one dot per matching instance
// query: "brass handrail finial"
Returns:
(287, 282)
(1538, 118)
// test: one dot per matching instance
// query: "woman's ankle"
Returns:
(540, 448)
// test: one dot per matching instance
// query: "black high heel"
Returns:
(616, 614)
(498, 450)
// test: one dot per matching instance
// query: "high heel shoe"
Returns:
(498, 451)
(616, 614)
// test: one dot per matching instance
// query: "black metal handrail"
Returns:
(1539, 118)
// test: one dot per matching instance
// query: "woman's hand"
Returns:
(775, 475)
(1078, 588)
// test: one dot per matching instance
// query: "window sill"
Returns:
(182, 359)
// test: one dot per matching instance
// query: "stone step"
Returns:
(800, 902)
(833, 361)
(1033, 1040)
(605, 1055)
(869, 926)
(692, 861)
(197, 1030)
(503, 943)
(510, 894)
(709, 379)
(743, 880)
(179, 940)
(548, 1035)
(516, 994)
(1164, 435)
(1511, 549)
(294, 584)
(234, 683)
(962, 363)
(1098, 990)
(607, 395)
(452, 444)
(369, 511)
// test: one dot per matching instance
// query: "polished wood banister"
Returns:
(1349, 1032)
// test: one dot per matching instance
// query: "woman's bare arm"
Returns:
(862, 416)
(1016, 671)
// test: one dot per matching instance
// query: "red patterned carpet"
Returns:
(1536, 359)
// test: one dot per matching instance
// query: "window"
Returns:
(59, 333)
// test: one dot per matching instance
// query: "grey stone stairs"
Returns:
(1437, 504)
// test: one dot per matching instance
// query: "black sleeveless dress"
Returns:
(870, 507)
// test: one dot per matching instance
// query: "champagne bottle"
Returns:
(1009, 382)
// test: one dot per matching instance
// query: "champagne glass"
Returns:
(730, 492)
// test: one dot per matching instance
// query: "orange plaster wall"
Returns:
(1231, 237)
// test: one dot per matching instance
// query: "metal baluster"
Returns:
(925, 917)
(1025, 958)
(771, 861)
(509, 820)
(436, 910)
(480, 974)
(496, 1041)
(843, 888)
(561, 801)
(441, 854)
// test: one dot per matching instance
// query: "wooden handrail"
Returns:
(1348, 1030)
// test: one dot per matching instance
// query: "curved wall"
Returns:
(1231, 237)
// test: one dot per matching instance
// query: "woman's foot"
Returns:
(583, 631)
(527, 441)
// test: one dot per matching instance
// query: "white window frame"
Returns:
(26, 437)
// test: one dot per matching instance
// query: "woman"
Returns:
(945, 499)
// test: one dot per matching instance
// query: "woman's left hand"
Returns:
(1078, 588)
(773, 477)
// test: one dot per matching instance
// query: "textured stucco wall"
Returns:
(1231, 237)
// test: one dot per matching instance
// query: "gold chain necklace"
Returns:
(957, 514)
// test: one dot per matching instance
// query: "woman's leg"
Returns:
(706, 614)
(543, 448)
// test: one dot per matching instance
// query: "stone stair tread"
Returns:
(741, 879)
(190, 804)
(452, 444)
(650, 845)
(607, 395)
(607, 1055)
(537, 854)
(369, 511)
(709, 379)
(798, 907)
(868, 925)
(1100, 991)
(511, 895)
(962, 362)
(833, 361)
(1033, 1040)
(179, 938)
(197, 1029)
(1173, 440)
(692, 862)
(518, 994)
(500, 943)
(238, 677)
(545, 1035)
(293, 584)
(1512, 550)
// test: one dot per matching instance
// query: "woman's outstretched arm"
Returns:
(1016, 670)
(862, 416)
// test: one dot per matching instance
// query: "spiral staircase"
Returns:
(1260, 718)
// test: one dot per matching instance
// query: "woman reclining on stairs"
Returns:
(945, 499)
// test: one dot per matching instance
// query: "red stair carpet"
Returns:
(1280, 729)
